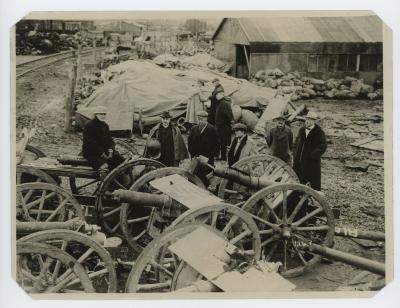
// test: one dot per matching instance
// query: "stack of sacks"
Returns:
(307, 87)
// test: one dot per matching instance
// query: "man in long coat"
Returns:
(310, 145)
(242, 145)
(280, 140)
(213, 107)
(173, 148)
(98, 146)
(223, 122)
(203, 140)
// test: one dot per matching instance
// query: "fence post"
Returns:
(69, 102)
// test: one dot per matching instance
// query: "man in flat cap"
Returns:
(310, 145)
(213, 107)
(223, 122)
(280, 140)
(98, 146)
(203, 140)
(242, 145)
(173, 148)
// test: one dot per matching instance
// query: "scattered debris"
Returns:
(378, 211)
(360, 166)
(375, 144)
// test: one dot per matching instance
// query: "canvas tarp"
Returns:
(139, 86)
(133, 85)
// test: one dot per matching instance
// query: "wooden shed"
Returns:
(322, 47)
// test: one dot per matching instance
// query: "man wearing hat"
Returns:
(98, 146)
(223, 121)
(309, 146)
(213, 107)
(173, 148)
(203, 140)
(242, 145)
(280, 140)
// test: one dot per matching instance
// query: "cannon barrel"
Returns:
(36, 226)
(363, 263)
(355, 233)
(240, 178)
(137, 198)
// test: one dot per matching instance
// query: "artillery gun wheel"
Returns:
(27, 174)
(156, 258)
(46, 202)
(262, 165)
(91, 186)
(236, 225)
(91, 255)
(141, 224)
(42, 268)
(286, 215)
(122, 177)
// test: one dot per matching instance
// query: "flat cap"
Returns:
(215, 80)
(166, 114)
(99, 109)
(278, 118)
(240, 126)
(202, 113)
(311, 115)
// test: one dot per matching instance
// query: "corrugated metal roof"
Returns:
(355, 29)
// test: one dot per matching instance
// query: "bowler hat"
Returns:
(166, 115)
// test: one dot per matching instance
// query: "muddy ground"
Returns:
(41, 97)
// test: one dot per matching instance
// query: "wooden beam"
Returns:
(247, 58)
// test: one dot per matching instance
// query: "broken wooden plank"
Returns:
(186, 193)
(374, 144)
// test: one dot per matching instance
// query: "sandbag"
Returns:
(237, 112)
(249, 119)
(365, 89)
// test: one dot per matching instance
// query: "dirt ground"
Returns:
(41, 97)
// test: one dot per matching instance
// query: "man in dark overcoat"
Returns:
(203, 140)
(223, 122)
(310, 145)
(213, 106)
(280, 140)
(173, 148)
(98, 146)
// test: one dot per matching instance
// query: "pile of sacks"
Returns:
(199, 60)
(307, 87)
(86, 86)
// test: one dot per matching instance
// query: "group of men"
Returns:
(212, 138)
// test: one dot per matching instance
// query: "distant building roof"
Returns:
(352, 29)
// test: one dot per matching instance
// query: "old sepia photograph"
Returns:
(186, 153)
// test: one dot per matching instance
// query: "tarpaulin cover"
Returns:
(139, 85)
(142, 85)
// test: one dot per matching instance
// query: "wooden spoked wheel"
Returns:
(267, 166)
(27, 174)
(286, 215)
(157, 258)
(46, 202)
(84, 186)
(236, 225)
(122, 177)
(91, 255)
(141, 224)
(43, 268)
